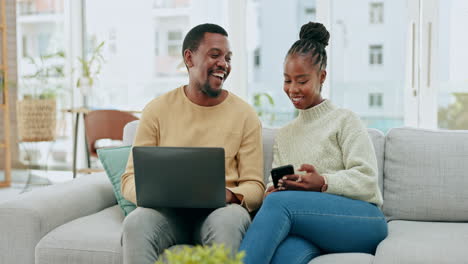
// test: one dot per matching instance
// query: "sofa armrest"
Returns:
(26, 219)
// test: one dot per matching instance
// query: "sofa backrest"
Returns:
(426, 175)
(269, 134)
(129, 133)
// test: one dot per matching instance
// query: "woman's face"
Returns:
(303, 81)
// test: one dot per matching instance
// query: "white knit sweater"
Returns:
(337, 144)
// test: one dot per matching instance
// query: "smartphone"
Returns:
(279, 172)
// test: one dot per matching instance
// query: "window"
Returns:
(376, 11)
(44, 66)
(310, 11)
(112, 41)
(169, 31)
(375, 55)
(25, 46)
(155, 47)
(257, 57)
(306, 11)
(156, 43)
(174, 43)
(375, 100)
(270, 39)
(43, 41)
(171, 3)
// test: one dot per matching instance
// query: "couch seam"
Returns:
(81, 250)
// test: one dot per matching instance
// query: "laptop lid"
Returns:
(179, 177)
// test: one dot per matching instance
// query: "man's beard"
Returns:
(208, 90)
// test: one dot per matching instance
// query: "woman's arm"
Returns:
(358, 180)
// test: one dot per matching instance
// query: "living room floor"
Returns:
(37, 179)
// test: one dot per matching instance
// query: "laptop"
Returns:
(179, 177)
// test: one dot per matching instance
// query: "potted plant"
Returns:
(37, 111)
(213, 254)
(90, 69)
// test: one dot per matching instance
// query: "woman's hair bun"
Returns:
(313, 31)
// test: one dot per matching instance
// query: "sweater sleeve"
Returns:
(147, 135)
(250, 186)
(359, 178)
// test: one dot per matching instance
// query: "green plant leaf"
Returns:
(213, 254)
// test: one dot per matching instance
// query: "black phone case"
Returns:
(279, 172)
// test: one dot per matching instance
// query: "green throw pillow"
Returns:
(114, 161)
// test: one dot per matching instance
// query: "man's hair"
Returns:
(195, 35)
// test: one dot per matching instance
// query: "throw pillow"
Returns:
(114, 161)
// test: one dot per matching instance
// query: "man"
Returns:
(200, 114)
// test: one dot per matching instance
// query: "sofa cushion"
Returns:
(27, 218)
(114, 161)
(426, 175)
(90, 239)
(378, 140)
(423, 242)
(348, 258)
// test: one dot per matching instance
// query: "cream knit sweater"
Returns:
(337, 144)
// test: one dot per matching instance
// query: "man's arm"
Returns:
(251, 187)
(231, 197)
(147, 135)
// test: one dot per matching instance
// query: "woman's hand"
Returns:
(311, 181)
(270, 189)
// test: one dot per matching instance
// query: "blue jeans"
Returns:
(296, 226)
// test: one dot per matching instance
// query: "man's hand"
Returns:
(231, 197)
(270, 189)
(311, 181)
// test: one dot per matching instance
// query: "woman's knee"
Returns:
(295, 249)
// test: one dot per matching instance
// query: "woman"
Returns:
(333, 205)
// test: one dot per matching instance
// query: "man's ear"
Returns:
(188, 58)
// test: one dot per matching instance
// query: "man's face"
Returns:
(210, 64)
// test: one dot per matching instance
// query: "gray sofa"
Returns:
(423, 175)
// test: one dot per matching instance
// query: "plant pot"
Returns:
(85, 85)
(36, 120)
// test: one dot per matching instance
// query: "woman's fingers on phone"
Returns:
(291, 177)
(293, 185)
(307, 167)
